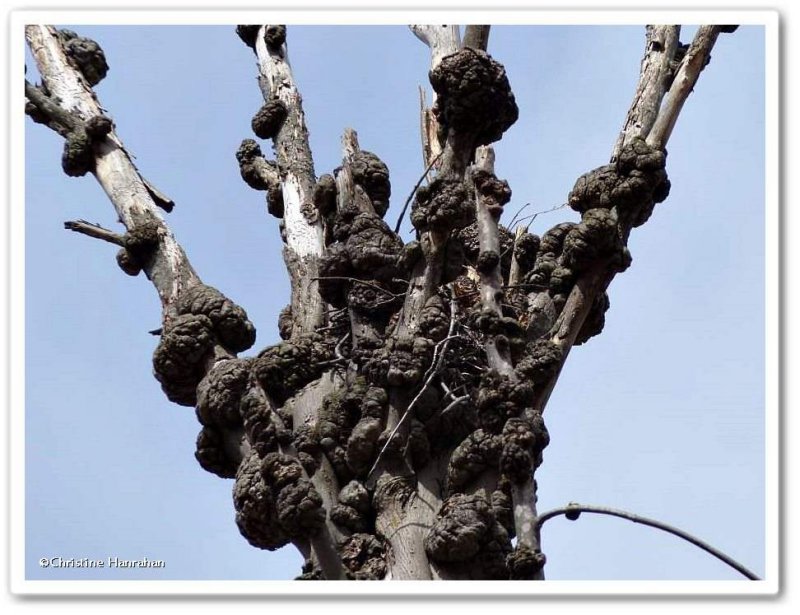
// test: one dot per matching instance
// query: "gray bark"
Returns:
(169, 269)
(304, 233)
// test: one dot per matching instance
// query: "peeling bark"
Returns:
(304, 237)
(169, 269)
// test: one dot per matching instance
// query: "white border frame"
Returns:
(307, 16)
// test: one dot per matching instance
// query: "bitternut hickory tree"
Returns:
(396, 430)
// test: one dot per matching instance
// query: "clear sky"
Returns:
(663, 414)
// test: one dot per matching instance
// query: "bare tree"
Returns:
(396, 431)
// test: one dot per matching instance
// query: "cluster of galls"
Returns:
(611, 200)
(472, 533)
(473, 96)
(632, 185)
(468, 538)
(230, 399)
(204, 318)
(274, 501)
(363, 267)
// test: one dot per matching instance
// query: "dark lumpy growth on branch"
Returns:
(540, 363)
(595, 320)
(98, 126)
(372, 174)
(474, 95)
(525, 250)
(284, 369)
(256, 171)
(181, 355)
(141, 242)
(230, 323)
(248, 34)
(275, 36)
(262, 432)
(285, 322)
(372, 247)
(221, 390)
(477, 453)
(524, 563)
(127, 263)
(268, 120)
(633, 184)
(595, 236)
(443, 205)
(210, 453)
(523, 443)
(77, 157)
(86, 54)
(400, 362)
(501, 398)
(256, 514)
(493, 191)
(324, 196)
(460, 528)
(299, 506)
(364, 557)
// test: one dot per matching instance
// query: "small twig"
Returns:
(456, 402)
(572, 511)
(533, 216)
(414, 191)
(338, 349)
(96, 231)
(518, 212)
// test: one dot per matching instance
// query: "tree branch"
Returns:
(572, 511)
(491, 281)
(304, 232)
(695, 60)
(96, 231)
(476, 36)
(656, 69)
(169, 268)
(597, 278)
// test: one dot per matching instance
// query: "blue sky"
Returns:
(663, 414)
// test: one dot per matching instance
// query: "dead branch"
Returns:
(693, 63)
(656, 68)
(304, 236)
(169, 269)
(96, 231)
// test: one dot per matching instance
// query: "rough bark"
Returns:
(169, 268)
(695, 60)
(660, 45)
(304, 234)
